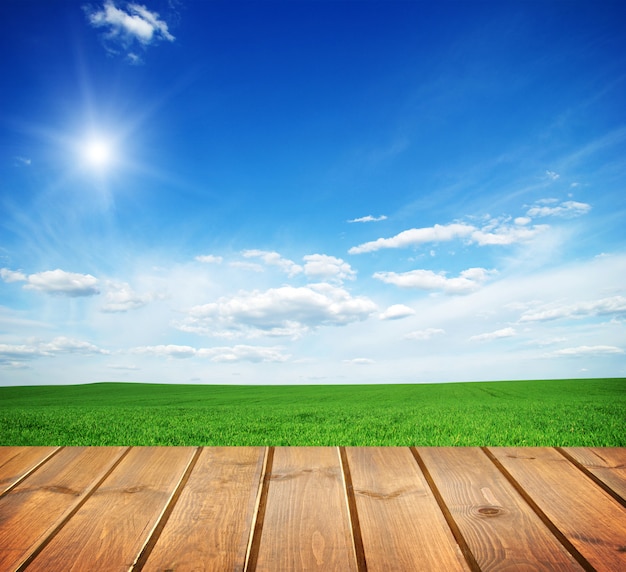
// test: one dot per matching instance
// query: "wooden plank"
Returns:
(37, 506)
(401, 524)
(590, 519)
(17, 462)
(607, 464)
(306, 524)
(111, 528)
(500, 529)
(209, 527)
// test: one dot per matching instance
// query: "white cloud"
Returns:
(522, 220)
(241, 353)
(494, 232)
(414, 236)
(552, 175)
(423, 335)
(368, 218)
(324, 267)
(125, 27)
(397, 312)
(55, 282)
(122, 298)
(284, 311)
(567, 209)
(209, 259)
(359, 361)
(498, 334)
(230, 354)
(274, 259)
(468, 280)
(586, 351)
(12, 276)
(603, 307)
(23, 160)
(253, 266)
(37, 349)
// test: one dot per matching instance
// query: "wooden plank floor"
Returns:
(174, 509)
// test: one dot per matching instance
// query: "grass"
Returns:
(590, 412)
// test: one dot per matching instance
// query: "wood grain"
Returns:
(18, 462)
(306, 524)
(501, 530)
(31, 511)
(209, 527)
(607, 464)
(401, 524)
(590, 519)
(110, 529)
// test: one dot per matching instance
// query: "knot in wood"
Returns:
(490, 510)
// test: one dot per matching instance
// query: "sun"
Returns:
(98, 153)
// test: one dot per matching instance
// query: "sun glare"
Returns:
(98, 153)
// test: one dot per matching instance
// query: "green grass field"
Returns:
(589, 412)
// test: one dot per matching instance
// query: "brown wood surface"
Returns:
(18, 462)
(306, 524)
(210, 526)
(501, 530)
(31, 511)
(606, 464)
(589, 518)
(401, 524)
(176, 509)
(109, 530)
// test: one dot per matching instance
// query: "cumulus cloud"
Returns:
(495, 232)
(127, 27)
(423, 335)
(284, 311)
(397, 312)
(12, 275)
(209, 259)
(498, 334)
(368, 218)
(324, 267)
(603, 307)
(567, 209)
(229, 354)
(36, 349)
(289, 267)
(468, 280)
(58, 282)
(587, 351)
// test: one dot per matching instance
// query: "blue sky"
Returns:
(311, 192)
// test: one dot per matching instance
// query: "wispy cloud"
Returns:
(230, 354)
(603, 307)
(494, 232)
(271, 258)
(122, 298)
(368, 218)
(129, 27)
(567, 209)
(468, 280)
(586, 351)
(209, 259)
(424, 335)
(58, 282)
(552, 175)
(38, 349)
(489, 336)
